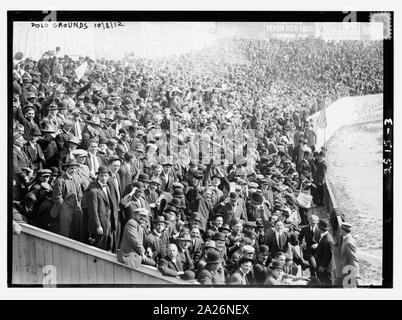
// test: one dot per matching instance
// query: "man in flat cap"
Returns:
(347, 273)
(132, 251)
(20, 161)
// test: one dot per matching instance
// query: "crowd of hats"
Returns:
(211, 91)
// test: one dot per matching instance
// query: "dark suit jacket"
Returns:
(35, 156)
(325, 253)
(196, 250)
(168, 268)
(167, 185)
(158, 244)
(20, 160)
(309, 238)
(115, 195)
(126, 177)
(273, 245)
(99, 208)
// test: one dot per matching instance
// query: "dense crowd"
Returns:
(95, 158)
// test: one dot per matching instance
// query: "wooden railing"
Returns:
(42, 258)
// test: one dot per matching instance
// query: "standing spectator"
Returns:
(132, 251)
(67, 196)
(348, 262)
(325, 254)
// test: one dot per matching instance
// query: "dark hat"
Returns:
(170, 209)
(234, 195)
(225, 227)
(160, 219)
(323, 224)
(143, 177)
(55, 171)
(188, 275)
(176, 202)
(257, 197)
(245, 259)
(115, 158)
(276, 265)
(263, 249)
(71, 163)
(44, 172)
(185, 236)
(293, 239)
(250, 234)
(259, 223)
(219, 236)
(36, 132)
(52, 106)
(346, 226)
(195, 216)
(139, 185)
(213, 257)
(250, 224)
(103, 169)
(198, 175)
(178, 193)
(216, 215)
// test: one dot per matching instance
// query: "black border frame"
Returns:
(218, 16)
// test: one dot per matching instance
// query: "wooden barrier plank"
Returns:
(83, 268)
(40, 259)
(30, 259)
(16, 279)
(57, 263)
(22, 258)
(92, 269)
(74, 267)
(65, 254)
(118, 274)
(109, 272)
(101, 271)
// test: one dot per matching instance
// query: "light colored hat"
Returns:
(248, 249)
(314, 218)
(80, 153)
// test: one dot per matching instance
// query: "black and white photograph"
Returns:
(172, 149)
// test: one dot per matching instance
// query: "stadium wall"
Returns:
(42, 258)
(348, 111)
